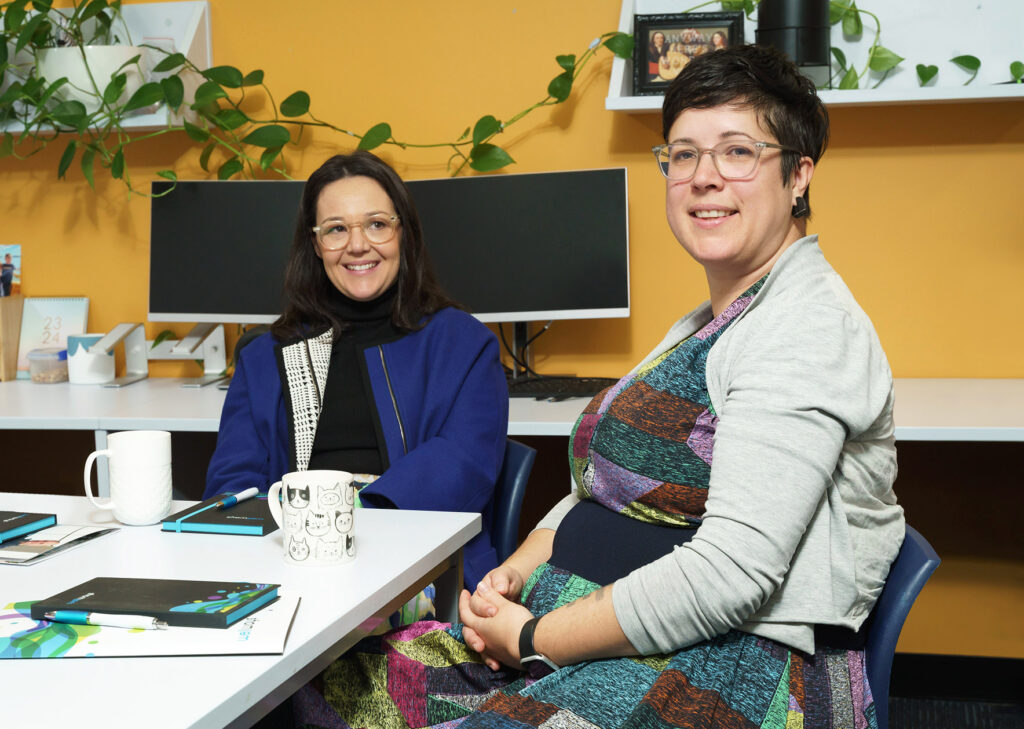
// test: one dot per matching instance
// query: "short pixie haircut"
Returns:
(758, 78)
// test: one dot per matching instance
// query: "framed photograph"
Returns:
(664, 44)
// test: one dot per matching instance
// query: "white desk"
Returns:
(926, 409)
(398, 552)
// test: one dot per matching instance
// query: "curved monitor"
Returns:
(514, 247)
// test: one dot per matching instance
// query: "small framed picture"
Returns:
(665, 44)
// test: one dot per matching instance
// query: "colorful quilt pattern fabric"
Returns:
(642, 448)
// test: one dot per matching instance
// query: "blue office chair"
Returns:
(508, 497)
(913, 566)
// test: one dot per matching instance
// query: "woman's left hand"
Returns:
(492, 625)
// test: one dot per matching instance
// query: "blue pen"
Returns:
(229, 501)
(80, 617)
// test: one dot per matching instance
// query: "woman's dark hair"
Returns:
(758, 78)
(306, 286)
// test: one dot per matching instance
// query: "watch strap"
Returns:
(527, 653)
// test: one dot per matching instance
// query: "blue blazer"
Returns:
(443, 421)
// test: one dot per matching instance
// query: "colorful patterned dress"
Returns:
(642, 449)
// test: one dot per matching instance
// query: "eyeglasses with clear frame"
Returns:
(734, 160)
(333, 235)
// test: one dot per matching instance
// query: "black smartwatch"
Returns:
(527, 653)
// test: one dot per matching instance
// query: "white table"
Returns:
(398, 553)
(933, 409)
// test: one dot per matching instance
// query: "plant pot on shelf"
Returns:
(77, 62)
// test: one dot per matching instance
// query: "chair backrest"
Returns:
(508, 497)
(913, 566)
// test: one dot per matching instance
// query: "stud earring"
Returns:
(800, 208)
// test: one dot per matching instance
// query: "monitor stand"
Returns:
(205, 342)
(521, 351)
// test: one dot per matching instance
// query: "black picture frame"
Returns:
(683, 36)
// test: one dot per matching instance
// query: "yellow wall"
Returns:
(919, 207)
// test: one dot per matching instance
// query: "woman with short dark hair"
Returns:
(733, 519)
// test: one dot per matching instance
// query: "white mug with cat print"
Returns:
(315, 510)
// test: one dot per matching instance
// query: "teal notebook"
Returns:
(15, 524)
(250, 517)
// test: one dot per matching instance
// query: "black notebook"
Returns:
(251, 517)
(188, 603)
(19, 523)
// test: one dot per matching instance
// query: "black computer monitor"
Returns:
(511, 248)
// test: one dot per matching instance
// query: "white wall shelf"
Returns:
(923, 31)
(183, 27)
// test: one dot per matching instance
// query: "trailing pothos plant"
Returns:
(234, 140)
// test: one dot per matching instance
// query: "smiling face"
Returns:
(736, 229)
(359, 270)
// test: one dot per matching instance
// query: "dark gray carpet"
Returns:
(906, 713)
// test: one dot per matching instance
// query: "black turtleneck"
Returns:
(346, 436)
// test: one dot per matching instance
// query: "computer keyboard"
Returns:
(558, 388)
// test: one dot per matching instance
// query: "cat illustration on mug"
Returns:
(298, 497)
(329, 551)
(330, 495)
(292, 521)
(318, 523)
(343, 521)
(298, 550)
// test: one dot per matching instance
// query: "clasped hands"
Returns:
(492, 617)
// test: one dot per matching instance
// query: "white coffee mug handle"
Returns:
(274, 503)
(88, 480)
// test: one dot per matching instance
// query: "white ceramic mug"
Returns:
(140, 476)
(315, 510)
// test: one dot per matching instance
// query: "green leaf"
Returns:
(87, 159)
(1017, 71)
(196, 134)
(272, 135)
(567, 62)
(463, 135)
(42, 6)
(93, 9)
(174, 91)
(620, 44)
(295, 105)
(69, 113)
(207, 93)
(968, 63)
(882, 59)
(115, 88)
(117, 165)
(253, 78)
(28, 31)
(268, 157)
(732, 5)
(170, 63)
(488, 157)
(146, 95)
(837, 9)
(3, 53)
(484, 128)
(230, 168)
(161, 338)
(228, 76)
(375, 136)
(853, 26)
(850, 80)
(50, 91)
(167, 175)
(560, 87)
(14, 16)
(749, 7)
(925, 73)
(66, 158)
(230, 119)
(840, 57)
(6, 145)
(204, 156)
